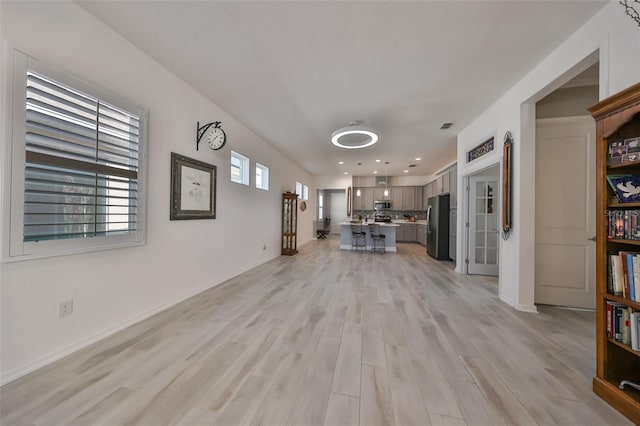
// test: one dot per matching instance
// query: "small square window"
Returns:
(262, 177)
(239, 168)
(299, 189)
(305, 192)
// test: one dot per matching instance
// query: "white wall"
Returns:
(567, 102)
(333, 182)
(610, 37)
(112, 289)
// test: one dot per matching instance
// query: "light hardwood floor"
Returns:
(330, 337)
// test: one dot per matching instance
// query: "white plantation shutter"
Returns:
(81, 169)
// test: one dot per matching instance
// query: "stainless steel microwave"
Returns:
(382, 205)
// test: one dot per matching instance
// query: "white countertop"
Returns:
(366, 223)
(394, 222)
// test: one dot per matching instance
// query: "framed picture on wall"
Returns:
(193, 189)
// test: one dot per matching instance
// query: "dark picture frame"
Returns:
(193, 189)
(507, 154)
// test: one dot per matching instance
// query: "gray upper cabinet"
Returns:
(411, 198)
(378, 193)
(396, 198)
(446, 183)
(364, 201)
(453, 187)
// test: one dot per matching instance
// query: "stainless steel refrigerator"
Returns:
(438, 227)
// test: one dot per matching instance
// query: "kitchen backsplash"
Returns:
(394, 214)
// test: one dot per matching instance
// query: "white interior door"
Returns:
(483, 225)
(565, 220)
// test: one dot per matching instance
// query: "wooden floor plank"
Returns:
(376, 403)
(330, 337)
(342, 410)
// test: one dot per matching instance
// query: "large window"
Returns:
(76, 169)
(239, 168)
(262, 177)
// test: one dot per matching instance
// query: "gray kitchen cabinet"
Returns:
(421, 233)
(364, 201)
(400, 232)
(453, 187)
(357, 201)
(438, 185)
(410, 232)
(378, 194)
(425, 197)
(445, 183)
(412, 198)
(396, 198)
(453, 217)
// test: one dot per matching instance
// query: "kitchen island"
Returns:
(386, 229)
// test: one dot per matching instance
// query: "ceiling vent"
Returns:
(446, 126)
(412, 165)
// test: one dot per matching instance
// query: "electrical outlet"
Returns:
(65, 308)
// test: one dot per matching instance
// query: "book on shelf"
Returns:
(621, 320)
(623, 224)
(625, 326)
(624, 274)
(635, 331)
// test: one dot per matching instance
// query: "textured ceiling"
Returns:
(293, 72)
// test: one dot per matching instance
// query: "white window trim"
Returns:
(244, 169)
(265, 176)
(14, 248)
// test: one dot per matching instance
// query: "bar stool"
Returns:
(358, 237)
(378, 241)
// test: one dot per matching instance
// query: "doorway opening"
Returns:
(565, 194)
(332, 205)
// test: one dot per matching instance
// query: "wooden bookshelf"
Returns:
(617, 118)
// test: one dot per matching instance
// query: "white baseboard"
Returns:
(32, 366)
(520, 307)
(527, 308)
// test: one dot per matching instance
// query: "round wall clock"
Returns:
(213, 134)
(303, 206)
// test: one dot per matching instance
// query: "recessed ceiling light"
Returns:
(418, 159)
(340, 162)
(375, 172)
(406, 171)
(446, 126)
(346, 173)
(377, 161)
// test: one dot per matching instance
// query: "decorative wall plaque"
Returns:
(480, 150)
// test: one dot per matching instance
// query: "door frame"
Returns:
(464, 218)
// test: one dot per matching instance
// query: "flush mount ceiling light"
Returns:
(354, 136)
